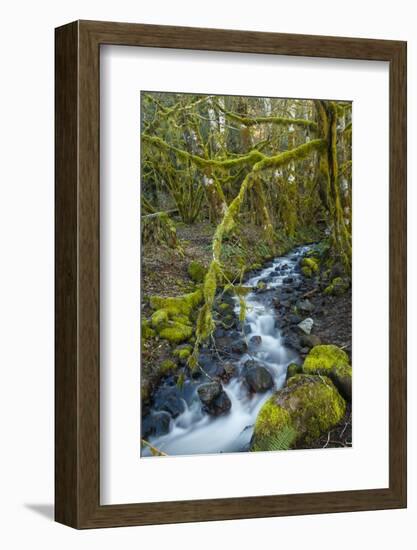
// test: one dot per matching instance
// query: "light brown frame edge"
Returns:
(77, 376)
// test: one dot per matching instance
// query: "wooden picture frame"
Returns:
(77, 404)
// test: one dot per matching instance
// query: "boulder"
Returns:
(214, 399)
(323, 359)
(310, 405)
(155, 424)
(260, 286)
(305, 306)
(309, 341)
(239, 346)
(292, 340)
(169, 400)
(209, 391)
(311, 264)
(229, 370)
(342, 379)
(293, 369)
(259, 379)
(306, 325)
(256, 340)
(220, 405)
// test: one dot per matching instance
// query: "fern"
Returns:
(282, 441)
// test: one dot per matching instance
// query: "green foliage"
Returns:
(281, 441)
(271, 420)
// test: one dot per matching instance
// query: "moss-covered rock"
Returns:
(159, 318)
(197, 271)
(171, 319)
(182, 305)
(306, 271)
(322, 359)
(146, 331)
(270, 420)
(311, 263)
(167, 367)
(183, 352)
(311, 405)
(176, 332)
(342, 378)
(337, 287)
(293, 369)
(261, 285)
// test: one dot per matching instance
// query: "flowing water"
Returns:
(196, 432)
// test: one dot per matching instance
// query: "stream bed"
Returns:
(179, 412)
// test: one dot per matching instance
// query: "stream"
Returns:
(192, 430)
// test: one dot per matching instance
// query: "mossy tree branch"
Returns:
(253, 121)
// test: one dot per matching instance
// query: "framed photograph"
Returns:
(230, 274)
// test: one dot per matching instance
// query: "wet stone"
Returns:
(156, 424)
(259, 379)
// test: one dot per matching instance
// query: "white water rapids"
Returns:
(196, 432)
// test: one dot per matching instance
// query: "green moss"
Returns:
(270, 420)
(182, 319)
(311, 263)
(292, 370)
(146, 331)
(315, 405)
(224, 306)
(255, 266)
(183, 305)
(167, 367)
(306, 271)
(176, 332)
(322, 359)
(183, 352)
(341, 376)
(337, 287)
(197, 272)
(159, 318)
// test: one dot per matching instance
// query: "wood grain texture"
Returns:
(78, 284)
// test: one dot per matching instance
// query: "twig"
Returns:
(328, 440)
(154, 450)
(346, 425)
(310, 293)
